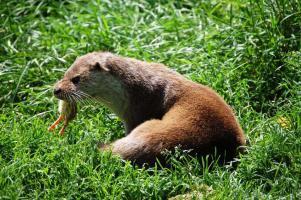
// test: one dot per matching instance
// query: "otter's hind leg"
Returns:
(146, 142)
(138, 146)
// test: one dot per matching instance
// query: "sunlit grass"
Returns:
(249, 51)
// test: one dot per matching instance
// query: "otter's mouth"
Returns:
(59, 97)
(74, 96)
(65, 96)
(58, 93)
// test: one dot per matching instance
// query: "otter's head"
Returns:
(87, 78)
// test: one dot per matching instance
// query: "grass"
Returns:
(248, 51)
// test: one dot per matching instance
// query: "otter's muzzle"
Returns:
(57, 91)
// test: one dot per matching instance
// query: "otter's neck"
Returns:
(114, 96)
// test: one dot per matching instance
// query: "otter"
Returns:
(160, 108)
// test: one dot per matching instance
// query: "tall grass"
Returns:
(249, 51)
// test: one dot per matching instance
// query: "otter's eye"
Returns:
(75, 80)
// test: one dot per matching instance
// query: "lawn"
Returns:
(248, 51)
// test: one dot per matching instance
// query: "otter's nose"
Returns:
(57, 91)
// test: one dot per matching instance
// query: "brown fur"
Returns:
(160, 108)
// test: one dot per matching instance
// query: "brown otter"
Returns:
(159, 107)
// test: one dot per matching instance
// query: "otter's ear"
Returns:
(100, 67)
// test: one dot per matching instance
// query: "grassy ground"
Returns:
(249, 51)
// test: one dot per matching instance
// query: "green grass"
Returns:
(248, 51)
